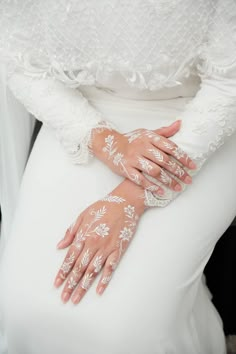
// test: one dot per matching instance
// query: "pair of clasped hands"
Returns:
(102, 232)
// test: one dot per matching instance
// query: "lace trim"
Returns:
(64, 110)
(92, 73)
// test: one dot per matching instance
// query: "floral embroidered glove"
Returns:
(98, 239)
(144, 156)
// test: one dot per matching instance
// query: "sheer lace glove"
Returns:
(144, 156)
(98, 239)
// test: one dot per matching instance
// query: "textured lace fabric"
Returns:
(54, 46)
(152, 43)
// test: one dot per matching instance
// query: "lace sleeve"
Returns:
(63, 109)
(210, 117)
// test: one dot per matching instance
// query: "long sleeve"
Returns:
(65, 110)
(210, 117)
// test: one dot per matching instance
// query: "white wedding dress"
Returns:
(128, 66)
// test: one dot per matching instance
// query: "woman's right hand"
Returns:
(147, 151)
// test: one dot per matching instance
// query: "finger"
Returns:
(155, 171)
(70, 233)
(172, 149)
(169, 130)
(91, 273)
(77, 272)
(163, 160)
(108, 270)
(137, 177)
(67, 264)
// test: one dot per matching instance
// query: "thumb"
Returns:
(169, 130)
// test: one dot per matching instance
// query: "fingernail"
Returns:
(178, 188)
(160, 192)
(76, 299)
(65, 297)
(192, 165)
(60, 243)
(100, 290)
(57, 282)
(188, 179)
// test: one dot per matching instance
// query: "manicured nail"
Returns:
(65, 297)
(60, 243)
(192, 165)
(76, 299)
(100, 290)
(178, 188)
(188, 179)
(57, 282)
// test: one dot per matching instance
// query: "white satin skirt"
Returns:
(157, 301)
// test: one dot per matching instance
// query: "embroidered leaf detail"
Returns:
(97, 264)
(85, 258)
(99, 213)
(165, 178)
(105, 280)
(157, 154)
(72, 283)
(113, 199)
(86, 281)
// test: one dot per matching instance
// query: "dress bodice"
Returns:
(152, 44)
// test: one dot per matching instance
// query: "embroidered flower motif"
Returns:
(102, 230)
(118, 158)
(129, 210)
(126, 234)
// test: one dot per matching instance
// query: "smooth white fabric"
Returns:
(156, 302)
(148, 45)
(16, 128)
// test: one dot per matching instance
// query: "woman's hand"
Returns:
(147, 151)
(98, 239)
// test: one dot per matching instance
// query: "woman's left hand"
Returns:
(99, 238)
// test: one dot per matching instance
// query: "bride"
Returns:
(131, 181)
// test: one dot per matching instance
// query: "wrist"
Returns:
(98, 136)
(132, 193)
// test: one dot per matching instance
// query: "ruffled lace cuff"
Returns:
(63, 109)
